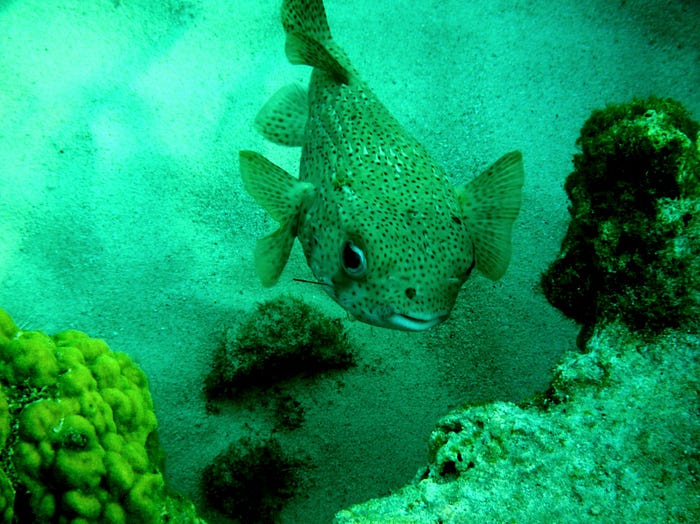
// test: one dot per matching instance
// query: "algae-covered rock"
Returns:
(251, 480)
(280, 339)
(632, 250)
(78, 434)
(617, 437)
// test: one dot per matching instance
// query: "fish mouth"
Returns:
(415, 321)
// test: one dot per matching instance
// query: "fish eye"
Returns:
(354, 261)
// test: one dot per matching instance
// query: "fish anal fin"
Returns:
(282, 119)
(284, 198)
(272, 253)
(490, 204)
(278, 192)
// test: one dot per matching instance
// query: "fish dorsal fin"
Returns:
(283, 197)
(309, 38)
(282, 119)
(490, 204)
(304, 49)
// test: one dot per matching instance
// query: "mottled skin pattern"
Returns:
(383, 230)
(378, 188)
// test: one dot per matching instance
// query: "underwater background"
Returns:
(122, 213)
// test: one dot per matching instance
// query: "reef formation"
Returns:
(616, 436)
(632, 249)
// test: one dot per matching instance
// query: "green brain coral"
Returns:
(77, 430)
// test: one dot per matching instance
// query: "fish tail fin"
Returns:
(283, 197)
(309, 39)
(490, 204)
(307, 17)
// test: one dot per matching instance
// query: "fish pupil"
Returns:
(354, 260)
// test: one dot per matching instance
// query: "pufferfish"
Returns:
(383, 230)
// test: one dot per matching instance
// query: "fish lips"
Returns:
(414, 321)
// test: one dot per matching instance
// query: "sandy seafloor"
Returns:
(122, 213)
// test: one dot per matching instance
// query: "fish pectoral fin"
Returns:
(490, 204)
(283, 197)
(278, 192)
(272, 253)
(282, 119)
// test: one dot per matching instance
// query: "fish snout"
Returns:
(416, 306)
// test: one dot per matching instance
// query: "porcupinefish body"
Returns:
(382, 228)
